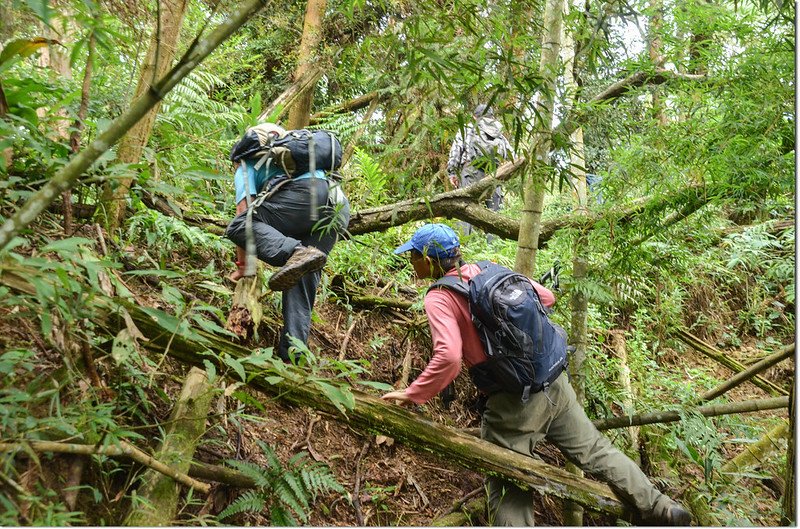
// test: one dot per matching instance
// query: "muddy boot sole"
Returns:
(290, 273)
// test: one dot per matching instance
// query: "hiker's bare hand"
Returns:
(398, 397)
(453, 180)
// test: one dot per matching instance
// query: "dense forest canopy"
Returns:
(652, 177)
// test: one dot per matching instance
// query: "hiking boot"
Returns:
(305, 259)
(678, 516)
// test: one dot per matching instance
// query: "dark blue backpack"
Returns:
(527, 351)
(294, 153)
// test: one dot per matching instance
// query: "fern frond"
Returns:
(281, 517)
(298, 488)
(253, 471)
(319, 478)
(250, 501)
(284, 494)
(272, 458)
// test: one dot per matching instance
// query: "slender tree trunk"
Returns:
(654, 46)
(53, 56)
(535, 178)
(573, 513)
(75, 136)
(788, 505)
(300, 111)
(620, 348)
(158, 61)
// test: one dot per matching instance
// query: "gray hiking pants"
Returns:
(555, 414)
(470, 175)
(282, 223)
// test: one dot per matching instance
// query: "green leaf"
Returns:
(381, 386)
(41, 9)
(340, 397)
(22, 48)
(248, 400)
(237, 366)
(211, 371)
(213, 287)
(71, 244)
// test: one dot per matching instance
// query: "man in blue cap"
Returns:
(507, 421)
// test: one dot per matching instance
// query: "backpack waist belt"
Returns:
(488, 377)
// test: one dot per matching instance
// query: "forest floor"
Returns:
(391, 484)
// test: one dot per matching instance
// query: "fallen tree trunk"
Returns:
(123, 449)
(357, 103)
(755, 453)
(371, 414)
(659, 417)
(366, 413)
(466, 514)
(730, 363)
(702, 508)
(186, 426)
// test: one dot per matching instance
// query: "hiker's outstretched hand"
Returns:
(398, 397)
(237, 274)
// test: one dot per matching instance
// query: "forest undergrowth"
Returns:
(68, 377)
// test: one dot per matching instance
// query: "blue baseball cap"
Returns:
(433, 240)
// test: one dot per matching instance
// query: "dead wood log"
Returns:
(749, 373)
(659, 417)
(220, 474)
(617, 338)
(375, 302)
(124, 449)
(370, 414)
(755, 453)
(246, 312)
(357, 103)
(186, 426)
(730, 363)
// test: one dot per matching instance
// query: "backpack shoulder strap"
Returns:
(453, 283)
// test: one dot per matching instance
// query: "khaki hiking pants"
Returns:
(555, 414)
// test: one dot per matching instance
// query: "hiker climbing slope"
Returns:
(294, 213)
(522, 406)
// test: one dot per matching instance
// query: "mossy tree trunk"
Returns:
(186, 426)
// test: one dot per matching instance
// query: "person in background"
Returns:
(552, 413)
(286, 236)
(476, 152)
